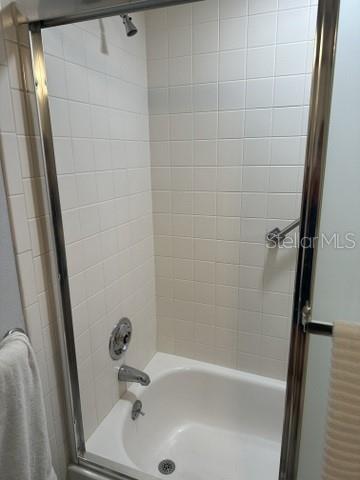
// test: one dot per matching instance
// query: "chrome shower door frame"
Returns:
(318, 128)
(59, 272)
(310, 212)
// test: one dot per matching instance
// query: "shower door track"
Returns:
(130, 6)
(310, 211)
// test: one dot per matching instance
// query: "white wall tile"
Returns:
(205, 125)
(258, 123)
(293, 25)
(60, 119)
(159, 100)
(231, 124)
(20, 223)
(6, 114)
(255, 179)
(205, 37)
(290, 59)
(181, 127)
(205, 97)
(283, 179)
(262, 30)
(232, 95)
(259, 93)
(285, 4)
(76, 81)
(56, 76)
(260, 62)
(180, 100)
(179, 15)
(262, 6)
(233, 8)
(257, 151)
(286, 151)
(179, 72)
(157, 72)
(233, 33)
(287, 121)
(289, 90)
(228, 204)
(230, 153)
(205, 68)
(157, 43)
(11, 164)
(180, 41)
(205, 11)
(205, 153)
(232, 65)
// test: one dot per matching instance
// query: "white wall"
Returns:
(98, 101)
(24, 182)
(229, 87)
(11, 314)
(337, 280)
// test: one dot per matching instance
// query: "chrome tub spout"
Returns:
(131, 374)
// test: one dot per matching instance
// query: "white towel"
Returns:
(24, 443)
(342, 441)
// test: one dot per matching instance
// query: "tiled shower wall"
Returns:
(24, 182)
(227, 129)
(229, 85)
(98, 99)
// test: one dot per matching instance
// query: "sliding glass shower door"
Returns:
(337, 275)
(175, 151)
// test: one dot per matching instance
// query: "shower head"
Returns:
(130, 28)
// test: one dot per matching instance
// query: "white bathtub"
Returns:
(213, 422)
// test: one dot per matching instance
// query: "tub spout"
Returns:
(131, 374)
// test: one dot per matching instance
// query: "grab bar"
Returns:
(276, 236)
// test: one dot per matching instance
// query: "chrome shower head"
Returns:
(130, 28)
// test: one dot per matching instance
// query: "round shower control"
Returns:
(120, 338)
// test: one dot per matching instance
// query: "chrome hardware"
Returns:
(120, 338)
(137, 410)
(306, 314)
(319, 328)
(276, 236)
(131, 374)
(14, 330)
(314, 327)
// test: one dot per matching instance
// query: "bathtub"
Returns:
(214, 423)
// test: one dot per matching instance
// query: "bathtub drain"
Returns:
(166, 467)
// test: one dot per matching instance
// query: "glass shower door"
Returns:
(337, 277)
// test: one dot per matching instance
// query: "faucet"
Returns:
(131, 374)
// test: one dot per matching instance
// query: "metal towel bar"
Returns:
(13, 330)
(319, 328)
(276, 236)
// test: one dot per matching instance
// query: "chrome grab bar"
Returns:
(276, 236)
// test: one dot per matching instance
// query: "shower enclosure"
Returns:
(174, 141)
